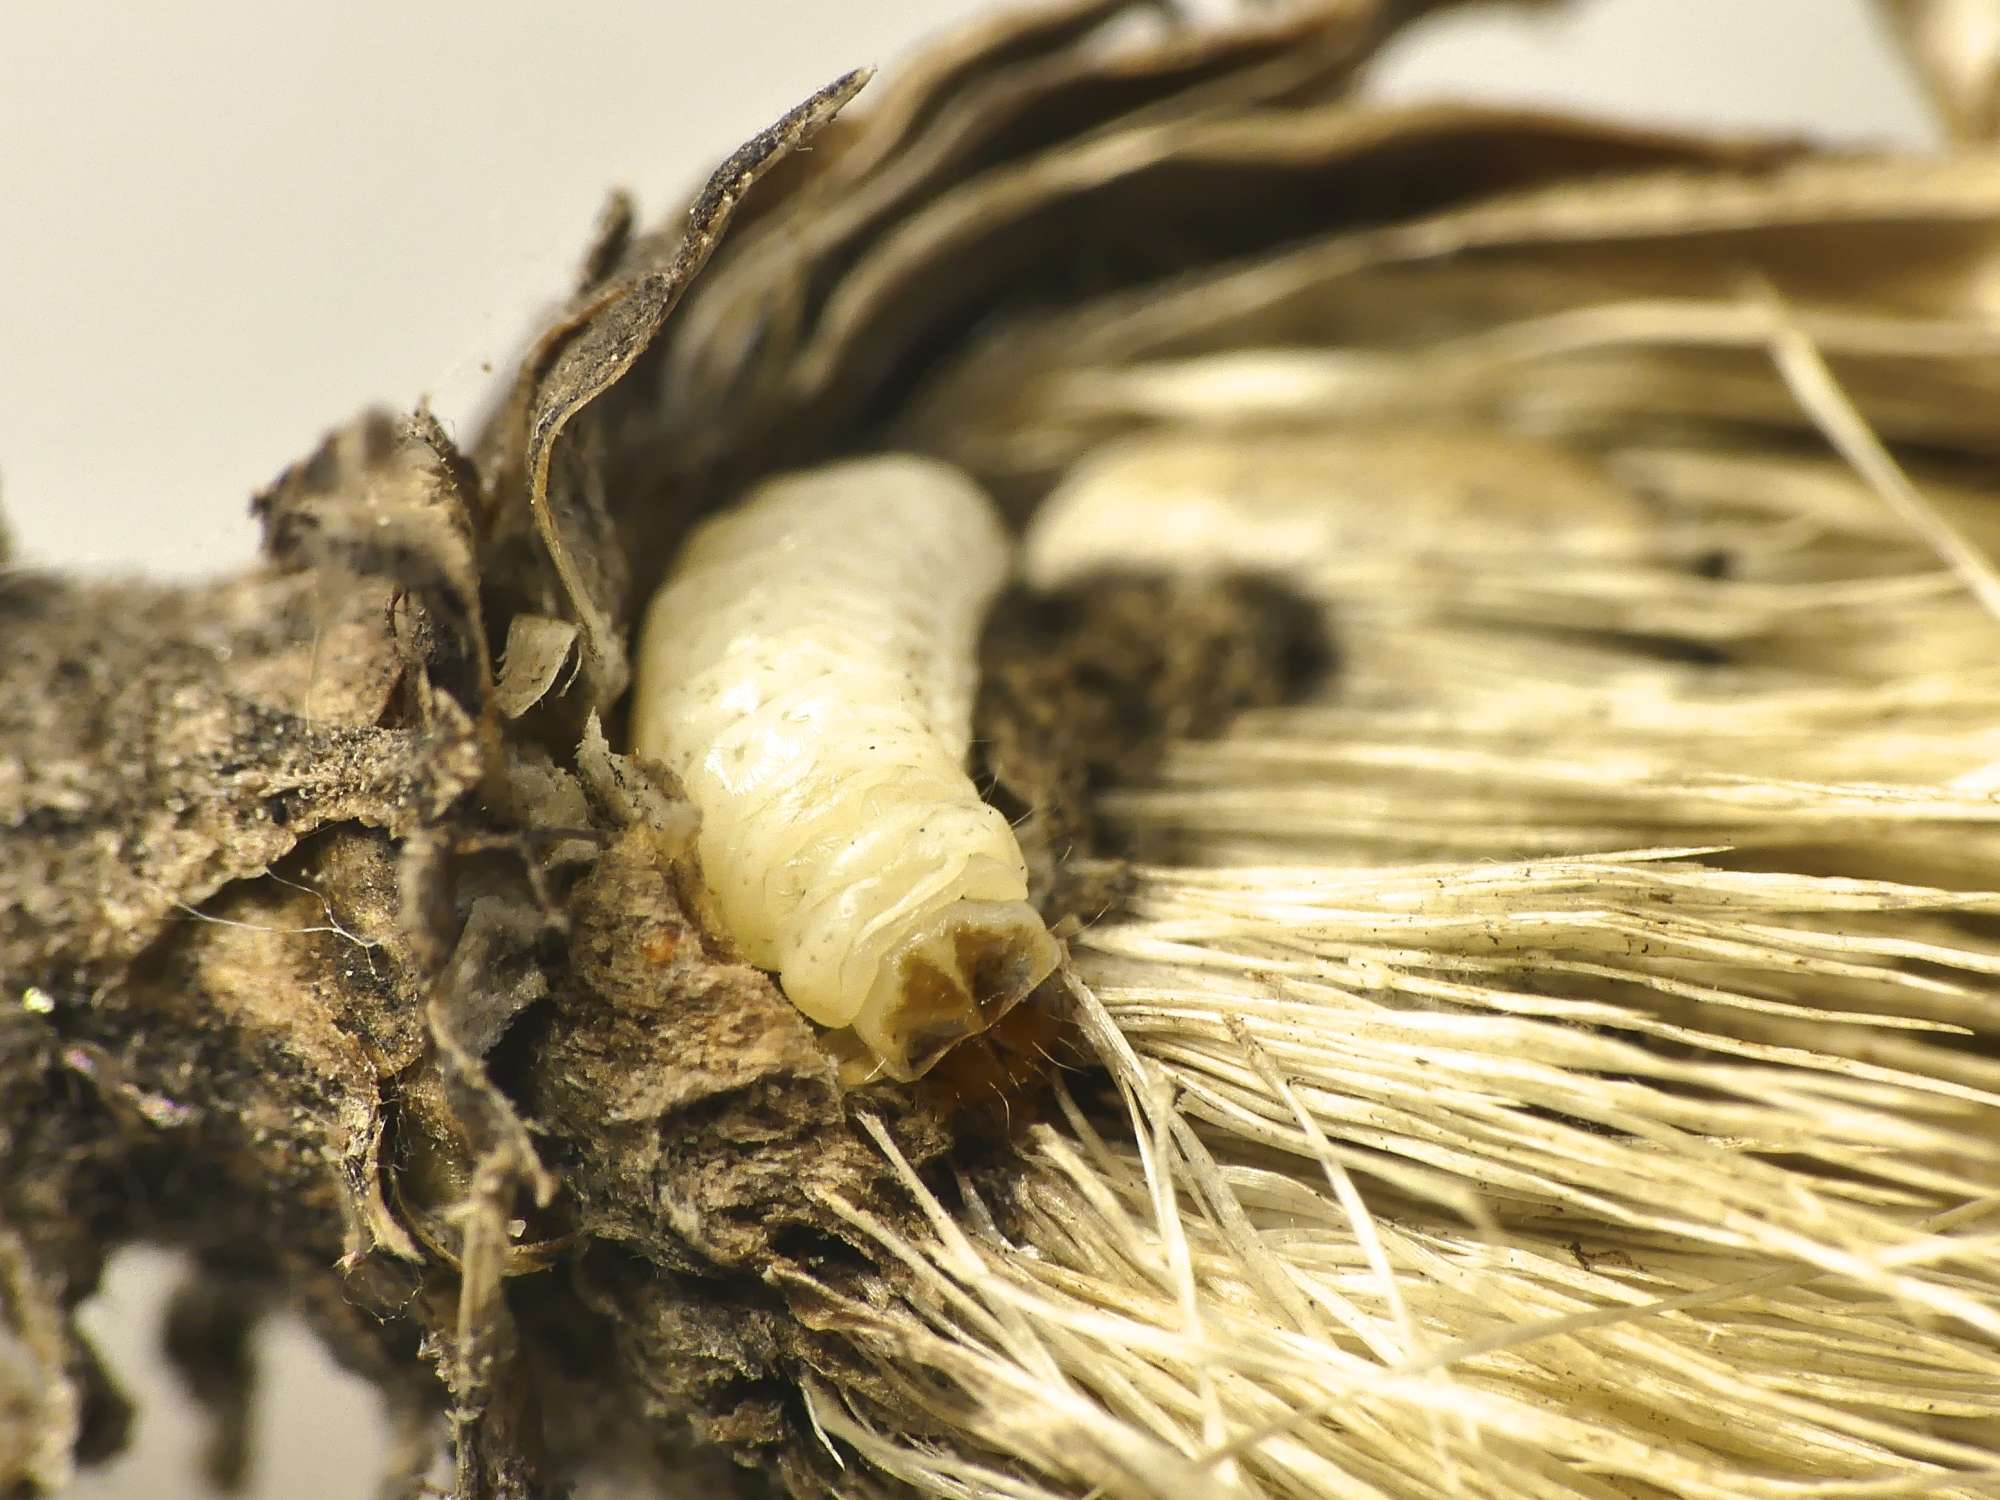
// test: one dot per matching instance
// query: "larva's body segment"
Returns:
(808, 670)
(1291, 502)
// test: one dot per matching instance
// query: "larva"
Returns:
(808, 670)
(1320, 501)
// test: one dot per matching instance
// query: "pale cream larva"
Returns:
(808, 670)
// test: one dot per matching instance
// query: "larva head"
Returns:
(953, 980)
(999, 1081)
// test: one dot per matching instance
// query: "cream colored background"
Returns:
(226, 225)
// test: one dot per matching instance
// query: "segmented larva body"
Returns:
(1299, 503)
(808, 670)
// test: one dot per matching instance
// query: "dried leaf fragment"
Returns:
(591, 347)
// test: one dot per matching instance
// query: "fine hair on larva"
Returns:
(808, 670)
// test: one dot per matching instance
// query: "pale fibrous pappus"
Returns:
(808, 670)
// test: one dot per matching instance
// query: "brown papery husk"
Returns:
(1530, 1027)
